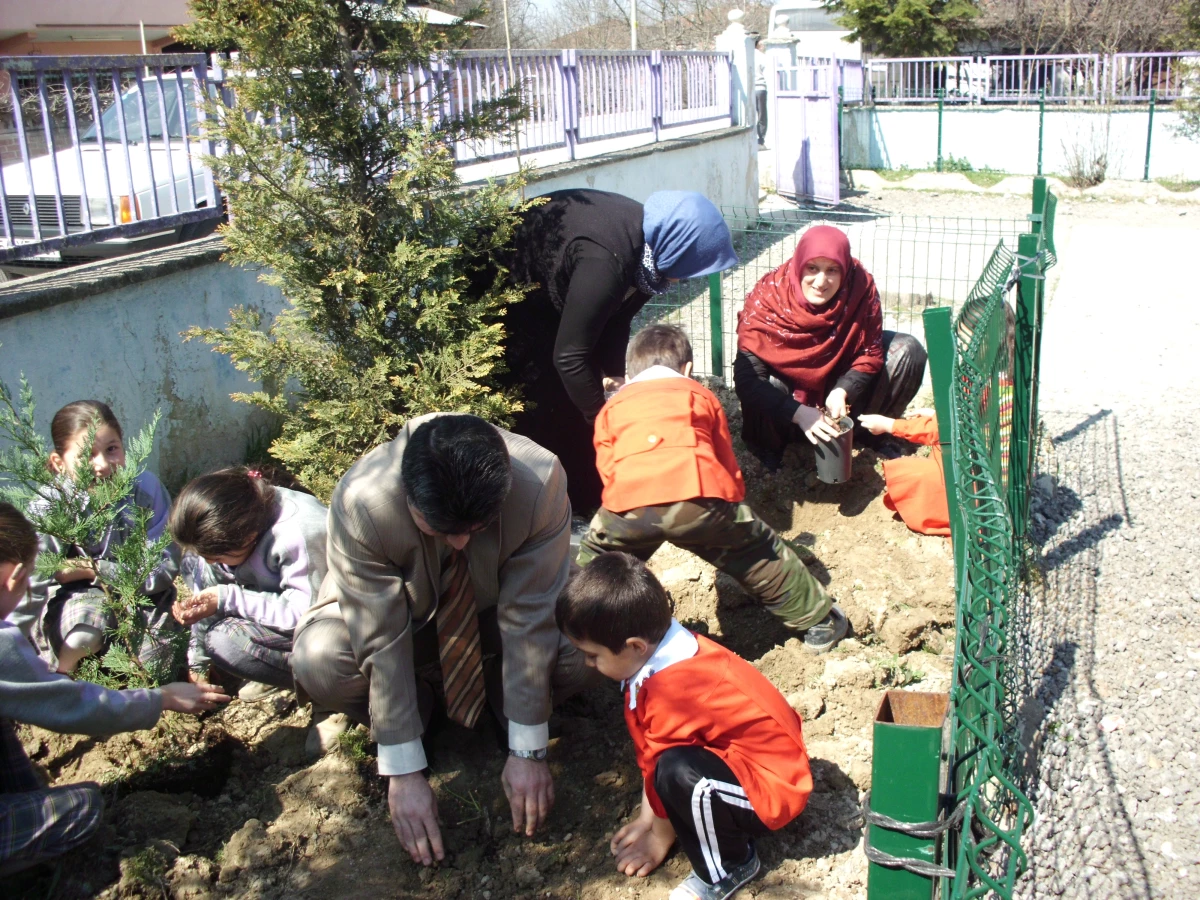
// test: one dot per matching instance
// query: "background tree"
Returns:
(907, 27)
(1188, 38)
(341, 185)
(1079, 26)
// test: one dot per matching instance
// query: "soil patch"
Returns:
(228, 807)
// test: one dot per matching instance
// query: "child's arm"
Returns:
(877, 424)
(917, 429)
(642, 845)
(31, 693)
(723, 443)
(299, 582)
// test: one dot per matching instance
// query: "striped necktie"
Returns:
(458, 643)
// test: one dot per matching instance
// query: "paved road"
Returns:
(1115, 630)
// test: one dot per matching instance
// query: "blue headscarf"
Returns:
(686, 237)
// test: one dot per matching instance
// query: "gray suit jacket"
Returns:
(385, 577)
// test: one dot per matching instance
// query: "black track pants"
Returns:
(713, 819)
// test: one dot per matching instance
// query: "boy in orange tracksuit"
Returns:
(666, 460)
(916, 486)
(722, 754)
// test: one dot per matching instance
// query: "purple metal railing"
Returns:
(1062, 78)
(65, 187)
(121, 157)
(1130, 77)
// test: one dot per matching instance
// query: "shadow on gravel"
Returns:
(1083, 841)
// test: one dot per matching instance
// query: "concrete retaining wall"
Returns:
(1007, 139)
(111, 331)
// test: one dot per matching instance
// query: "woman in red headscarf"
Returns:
(810, 336)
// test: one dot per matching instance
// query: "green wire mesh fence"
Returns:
(991, 400)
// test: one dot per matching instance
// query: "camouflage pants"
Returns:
(728, 535)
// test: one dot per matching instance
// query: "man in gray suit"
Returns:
(400, 523)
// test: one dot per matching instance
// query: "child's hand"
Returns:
(192, 698)
(611, 384)
(197, 607)
(78, 573)
(642, 845)
(876, 424)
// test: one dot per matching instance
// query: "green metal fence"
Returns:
(985, 375)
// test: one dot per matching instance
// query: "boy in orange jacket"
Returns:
(722, 754)
(666, 461)
(915, 486)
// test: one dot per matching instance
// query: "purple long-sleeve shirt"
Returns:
(280, 579)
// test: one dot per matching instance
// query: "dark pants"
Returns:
(251, 651)
(714, 822)
(760, 104)
(728, 535)
(550, 418)
(326, 670)
(38, 823)
(889, 394)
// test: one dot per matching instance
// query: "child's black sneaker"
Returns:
(695, 888)
(824, 636)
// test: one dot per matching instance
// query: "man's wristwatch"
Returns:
(536, 755)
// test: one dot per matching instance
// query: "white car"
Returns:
(148, 170)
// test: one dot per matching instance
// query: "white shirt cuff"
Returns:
(401, 759)
(527, 737)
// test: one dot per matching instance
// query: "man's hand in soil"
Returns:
(644, 843)
(415, 817)
(530, 791)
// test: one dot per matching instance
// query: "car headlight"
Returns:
(98, 210)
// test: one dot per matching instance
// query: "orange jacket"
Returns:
(718, 701)
(662, 441)
(916, 486)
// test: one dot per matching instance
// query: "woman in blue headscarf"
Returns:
(595, 258)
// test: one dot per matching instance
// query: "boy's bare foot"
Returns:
(642, 845)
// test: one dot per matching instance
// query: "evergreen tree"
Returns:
(907, 27)
(340, 179)
(75, 510)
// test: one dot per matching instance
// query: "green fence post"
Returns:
(906, 762)
(1149, 133)
(716, 325)
(1039, 204)
(939, 340)
(941, 98)
(1021, 445)
(1041, 125)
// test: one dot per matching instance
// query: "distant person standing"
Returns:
(761, 63)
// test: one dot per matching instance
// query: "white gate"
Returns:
(807, 154)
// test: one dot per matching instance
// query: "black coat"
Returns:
(583, 249)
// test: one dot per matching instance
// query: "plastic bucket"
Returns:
(834, 457)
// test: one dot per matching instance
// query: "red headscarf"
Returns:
(812, 346)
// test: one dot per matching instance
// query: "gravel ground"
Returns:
(1115, 629)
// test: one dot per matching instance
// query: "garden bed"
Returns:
(229, 807)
